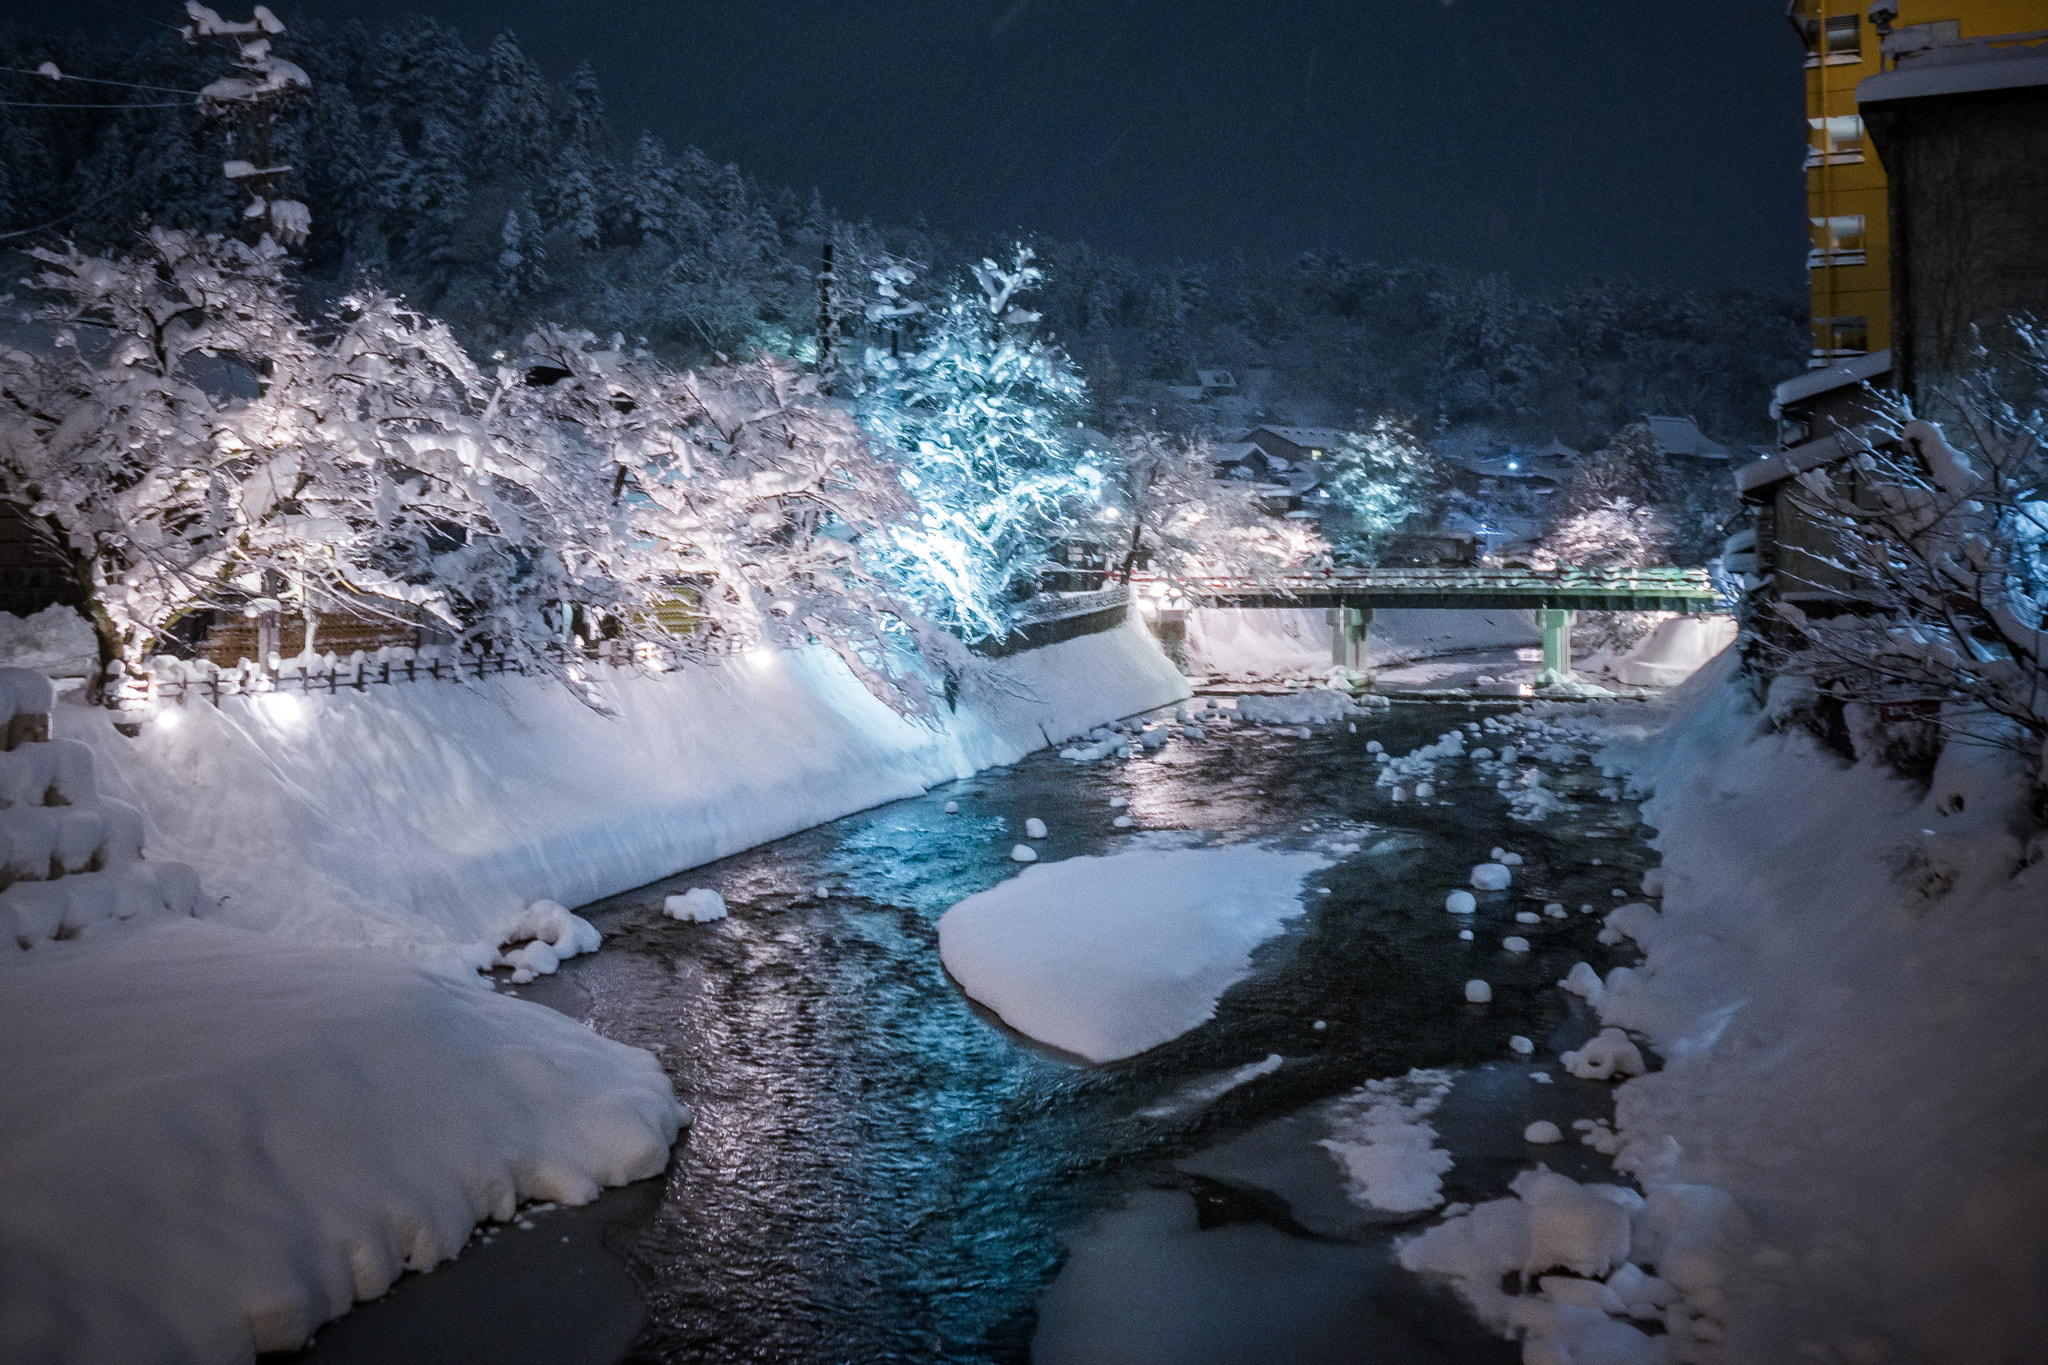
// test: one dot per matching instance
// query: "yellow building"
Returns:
(1850, 261)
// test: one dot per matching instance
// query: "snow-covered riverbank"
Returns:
(221, 1134)
(426, 817)
(1846, 985)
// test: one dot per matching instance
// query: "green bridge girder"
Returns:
(1679, 590)
(1556, 596)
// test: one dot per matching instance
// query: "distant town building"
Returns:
(1682, 437)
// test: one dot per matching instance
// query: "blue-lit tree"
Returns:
(977, 414)
(1378, 478)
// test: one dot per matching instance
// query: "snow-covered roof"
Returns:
(1798, 459)
(1231, 452)
(1682, 436)
(1215, 379)
(1859, 370)
(1959, 66)
(1557, 450)
(1323, 438)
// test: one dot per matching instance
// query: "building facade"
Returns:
(1849, 263)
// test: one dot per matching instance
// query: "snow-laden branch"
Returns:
(1947, 554)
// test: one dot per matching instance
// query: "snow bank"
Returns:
(1284, 642)
(206, 1149)
(1846, 983)
(56, 641)
(1674, 651)
(426, 817)
(1108, 956)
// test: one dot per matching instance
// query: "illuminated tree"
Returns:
(978, 414)
(1377, 478)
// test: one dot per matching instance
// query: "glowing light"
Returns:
(282, 707)
(168, 718)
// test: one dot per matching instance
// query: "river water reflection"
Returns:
(880, 1171)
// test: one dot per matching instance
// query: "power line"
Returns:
(94, 80)
(39, 104)
(93, 202)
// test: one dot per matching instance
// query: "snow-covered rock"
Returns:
(698, 905)
(1108, 956)
(1491, 877)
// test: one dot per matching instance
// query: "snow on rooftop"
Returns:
(2000, 62)
(1682, 436)
(1318, 437)
(1861, 369)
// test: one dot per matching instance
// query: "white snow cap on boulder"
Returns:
(699, 905)
(1491, 877)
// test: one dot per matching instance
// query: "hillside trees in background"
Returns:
(429, 163)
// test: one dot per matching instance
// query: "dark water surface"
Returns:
(879, 1171)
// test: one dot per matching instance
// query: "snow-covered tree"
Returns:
(1612, 533)
(1377, 479)
(978, 413)
(1167, 508)
(740, 500)
(1947, 549)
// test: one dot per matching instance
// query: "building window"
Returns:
(1842, 39)
(1837, 240)
(1836, 140)
(1837, 338)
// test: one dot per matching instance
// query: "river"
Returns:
(880, 1171)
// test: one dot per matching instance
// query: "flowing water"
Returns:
(879, 1170)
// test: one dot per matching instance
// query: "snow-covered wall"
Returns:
(426, 817)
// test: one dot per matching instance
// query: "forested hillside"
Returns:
(492, 197)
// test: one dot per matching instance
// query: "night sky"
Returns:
(1660, 140)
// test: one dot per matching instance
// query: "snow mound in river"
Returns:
(209, 1144)
(1108, 956)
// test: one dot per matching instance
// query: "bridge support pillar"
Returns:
(1348, 628)
(1557, 643)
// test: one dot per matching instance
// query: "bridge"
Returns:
(1350, 595)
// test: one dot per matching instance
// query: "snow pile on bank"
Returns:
(1846, 984)
(1381, 1136)
(427, 817)
(56, 641)
(1294, 642)
(1562, 1266)
(214, 1141)
(1107, 956)
(1672, 652)
(72, 859)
